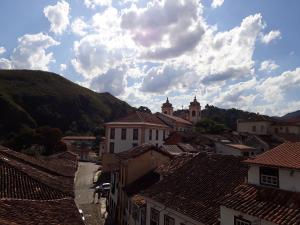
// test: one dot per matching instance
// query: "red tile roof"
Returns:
(31, 194)
(56, 212)
(175, 119)
(197, 188)
(240, 147)
(140, 117)
(48, 166)
(38, 169)
(274, 205)
(286, 155)
(139, 150)
(171, 149)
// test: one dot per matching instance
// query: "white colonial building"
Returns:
(133, 130)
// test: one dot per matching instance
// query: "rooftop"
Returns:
(286, 155)
(76, 138)
(175, 119)
(139, 117)
(139, 150)
(171, 149)
(62, 212)
(199, 186)
(274, 205)
(240, 147)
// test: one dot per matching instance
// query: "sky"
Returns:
(228, 53)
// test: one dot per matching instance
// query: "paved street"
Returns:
(84, 194)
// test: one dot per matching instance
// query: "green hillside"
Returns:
(36, 98)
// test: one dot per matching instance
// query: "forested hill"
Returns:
(228, 117)
(36, 98)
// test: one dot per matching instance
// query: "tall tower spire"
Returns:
(167, 108)
(195, 111)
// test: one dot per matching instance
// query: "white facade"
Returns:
(228, 216)
(288, 179)
(121, 144)
(163, 210)
(255, 127)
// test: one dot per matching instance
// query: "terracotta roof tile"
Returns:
(286, 155)
(274, 205)
(56, 212)
(139, 117)
(139, 150)
(175, 119)
(172, 149)
(199, 186)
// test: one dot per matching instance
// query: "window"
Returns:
(287, 130)
(154, 217)
(143, 216)
(111, 147)
(135, 134)
(269, 176)
(241, 221)
(123, 134)
(165, 112)
(156, 134)
(112, 133)
(254, 128)
(262, 128)
(169, 220)
(150, 134)
(164, 134)
(246, 154)
(193, 113)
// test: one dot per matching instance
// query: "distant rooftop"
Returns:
(240, 147)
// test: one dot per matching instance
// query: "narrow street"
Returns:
(84, 194)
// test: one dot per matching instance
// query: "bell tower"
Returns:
(167, 108)
(195, 111)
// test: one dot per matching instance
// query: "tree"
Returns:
(209, 126)
(144, 109)
(49, 137)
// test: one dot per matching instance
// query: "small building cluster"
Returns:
(162, 173)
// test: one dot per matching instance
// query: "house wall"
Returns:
(179, 218)
(143, 137)
(226, 150)
(227, 217)
(285, 129)
(143, 164)
(288, 180)
(262, 127)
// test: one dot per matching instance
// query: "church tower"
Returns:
(195, 111)
(167, 108)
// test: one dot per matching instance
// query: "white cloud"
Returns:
(268, 66)
(272, 35)
(280, 86)
(79, 27)
(31, 52)
(5, 63)
(94, 3)
(63, 67)
(165, 29)
(218, 58)
(217, 3)
(113, 81)
(58, 16)
(93, 57)
(2, 50)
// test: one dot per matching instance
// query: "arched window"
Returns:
(193, 113)
(165, 112)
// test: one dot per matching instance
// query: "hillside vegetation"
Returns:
(31, 99)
